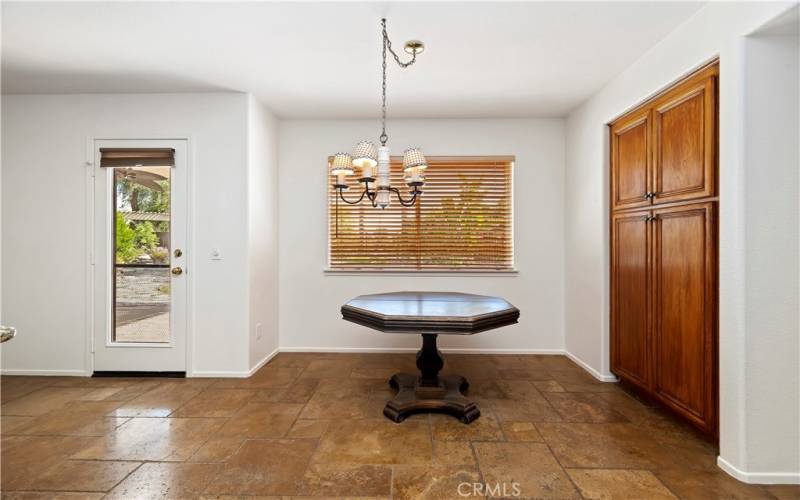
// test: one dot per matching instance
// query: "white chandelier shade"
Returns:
(414, 159)
(341, 166)
(365, 157)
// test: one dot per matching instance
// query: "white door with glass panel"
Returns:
(139, 258)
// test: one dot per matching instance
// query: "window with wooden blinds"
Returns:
(463, 221)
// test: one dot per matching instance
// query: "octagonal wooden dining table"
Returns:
(430, 314)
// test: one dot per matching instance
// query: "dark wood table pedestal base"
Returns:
(446, 399)
(428, 392)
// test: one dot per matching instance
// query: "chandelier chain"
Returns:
(383, 136)
(387, 46)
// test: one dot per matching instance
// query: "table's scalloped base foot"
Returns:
(446, 398)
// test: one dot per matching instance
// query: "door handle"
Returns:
(176, 271)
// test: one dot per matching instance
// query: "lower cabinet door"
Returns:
(630, 297)
(684, 311)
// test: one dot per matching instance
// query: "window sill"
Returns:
(510, 273)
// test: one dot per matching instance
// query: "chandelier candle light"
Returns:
(366, 157)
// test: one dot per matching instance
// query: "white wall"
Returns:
(262, 201)
(772, 295)
(310, 300)
(45, 200)
(716, 30)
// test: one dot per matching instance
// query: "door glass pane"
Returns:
(142, 254)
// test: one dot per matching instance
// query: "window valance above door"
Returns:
(137, 157)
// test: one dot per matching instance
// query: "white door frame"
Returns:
(91, 152)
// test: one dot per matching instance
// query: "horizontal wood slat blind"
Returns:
(462, 222)
(137, 157)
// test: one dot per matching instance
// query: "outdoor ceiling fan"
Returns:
(143, 176)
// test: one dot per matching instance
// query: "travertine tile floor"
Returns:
(310, 425)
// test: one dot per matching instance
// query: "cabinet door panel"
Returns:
(630, 281)
(684, 123)
(630, 160)
(685, 309)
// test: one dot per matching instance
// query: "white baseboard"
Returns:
(596, 374)
(345, 350)
(234, 374)
(46, 373)
(759, 477)
(389, 350)
(217, 374)
(263, 362)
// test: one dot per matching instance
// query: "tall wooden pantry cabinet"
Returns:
(663, 199)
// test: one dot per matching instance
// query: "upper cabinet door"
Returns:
(684, 140)
(630, 160)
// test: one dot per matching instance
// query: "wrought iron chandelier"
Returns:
(365, 158)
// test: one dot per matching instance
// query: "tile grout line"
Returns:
(477, 463)
(391, 481)
(297, 417)
(544, 441)
(124, 478)
(550, 449)
(662, 483)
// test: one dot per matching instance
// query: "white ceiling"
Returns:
(322, 60)
(787, 24)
